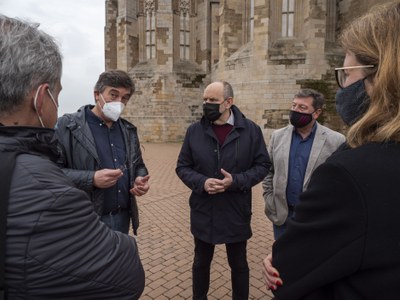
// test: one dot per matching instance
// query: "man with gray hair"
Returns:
(53, 245)
(296, 151)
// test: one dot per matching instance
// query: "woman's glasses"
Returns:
(341, 73)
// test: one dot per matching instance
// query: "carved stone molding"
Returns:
(184, 6)
(149, 6)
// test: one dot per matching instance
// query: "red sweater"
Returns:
(222, 131)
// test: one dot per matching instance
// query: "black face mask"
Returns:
(211, 111)
(299, 120)
(352, 102)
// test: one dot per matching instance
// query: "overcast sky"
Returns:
(78, 27)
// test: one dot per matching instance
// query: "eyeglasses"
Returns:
(127, 165)
(341, 75)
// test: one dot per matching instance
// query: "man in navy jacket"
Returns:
(222, 157)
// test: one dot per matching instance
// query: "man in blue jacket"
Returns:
(222, 157)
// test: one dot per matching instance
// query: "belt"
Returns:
(115, 211)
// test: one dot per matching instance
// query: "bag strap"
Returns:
(6, 171)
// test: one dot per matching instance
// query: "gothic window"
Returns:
(287, 18)
(184, 8)
(150, 29)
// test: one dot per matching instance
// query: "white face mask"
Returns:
(35, 104)
(112, 110)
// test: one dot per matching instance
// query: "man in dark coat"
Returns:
(222, 157)
(101, 152)
(56, 247)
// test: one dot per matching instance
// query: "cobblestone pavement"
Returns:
(166, 244)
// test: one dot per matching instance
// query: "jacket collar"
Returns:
(29, 140)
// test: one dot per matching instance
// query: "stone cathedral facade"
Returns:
(267, 50)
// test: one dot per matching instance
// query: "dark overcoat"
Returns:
(223, 217)
(344, 240)
(56, 245)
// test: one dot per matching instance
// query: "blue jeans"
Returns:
(118, 221)
(237, 259)
(281, 229)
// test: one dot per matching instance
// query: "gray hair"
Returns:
(318, 98)
(29, 57)
(228, 90)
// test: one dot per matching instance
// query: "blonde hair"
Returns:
(374, 39)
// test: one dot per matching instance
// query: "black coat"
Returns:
(223, 217)
(80, 159)
(57, 247)
(344, 241)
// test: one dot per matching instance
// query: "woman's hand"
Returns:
(270, 274)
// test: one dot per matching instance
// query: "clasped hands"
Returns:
(214, 185)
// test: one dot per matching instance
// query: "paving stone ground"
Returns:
(166, 244)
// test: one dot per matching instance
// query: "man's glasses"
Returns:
(127, 165)
(341, 75)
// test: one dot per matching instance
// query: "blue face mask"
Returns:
(352, 102)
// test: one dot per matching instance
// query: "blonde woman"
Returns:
(344, 241)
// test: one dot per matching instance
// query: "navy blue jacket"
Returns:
(223, 217)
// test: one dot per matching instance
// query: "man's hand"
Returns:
(270, 274)
(214, 186)
(140, 186)
(106, 178)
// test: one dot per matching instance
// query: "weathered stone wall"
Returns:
(351, 9)
(268, 71)
(168, 90)
(165, 104)
(264, 69)
(110, 34)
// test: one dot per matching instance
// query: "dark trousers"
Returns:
(118, 221)
(237, 258)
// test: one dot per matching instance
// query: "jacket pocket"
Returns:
(270, 208)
